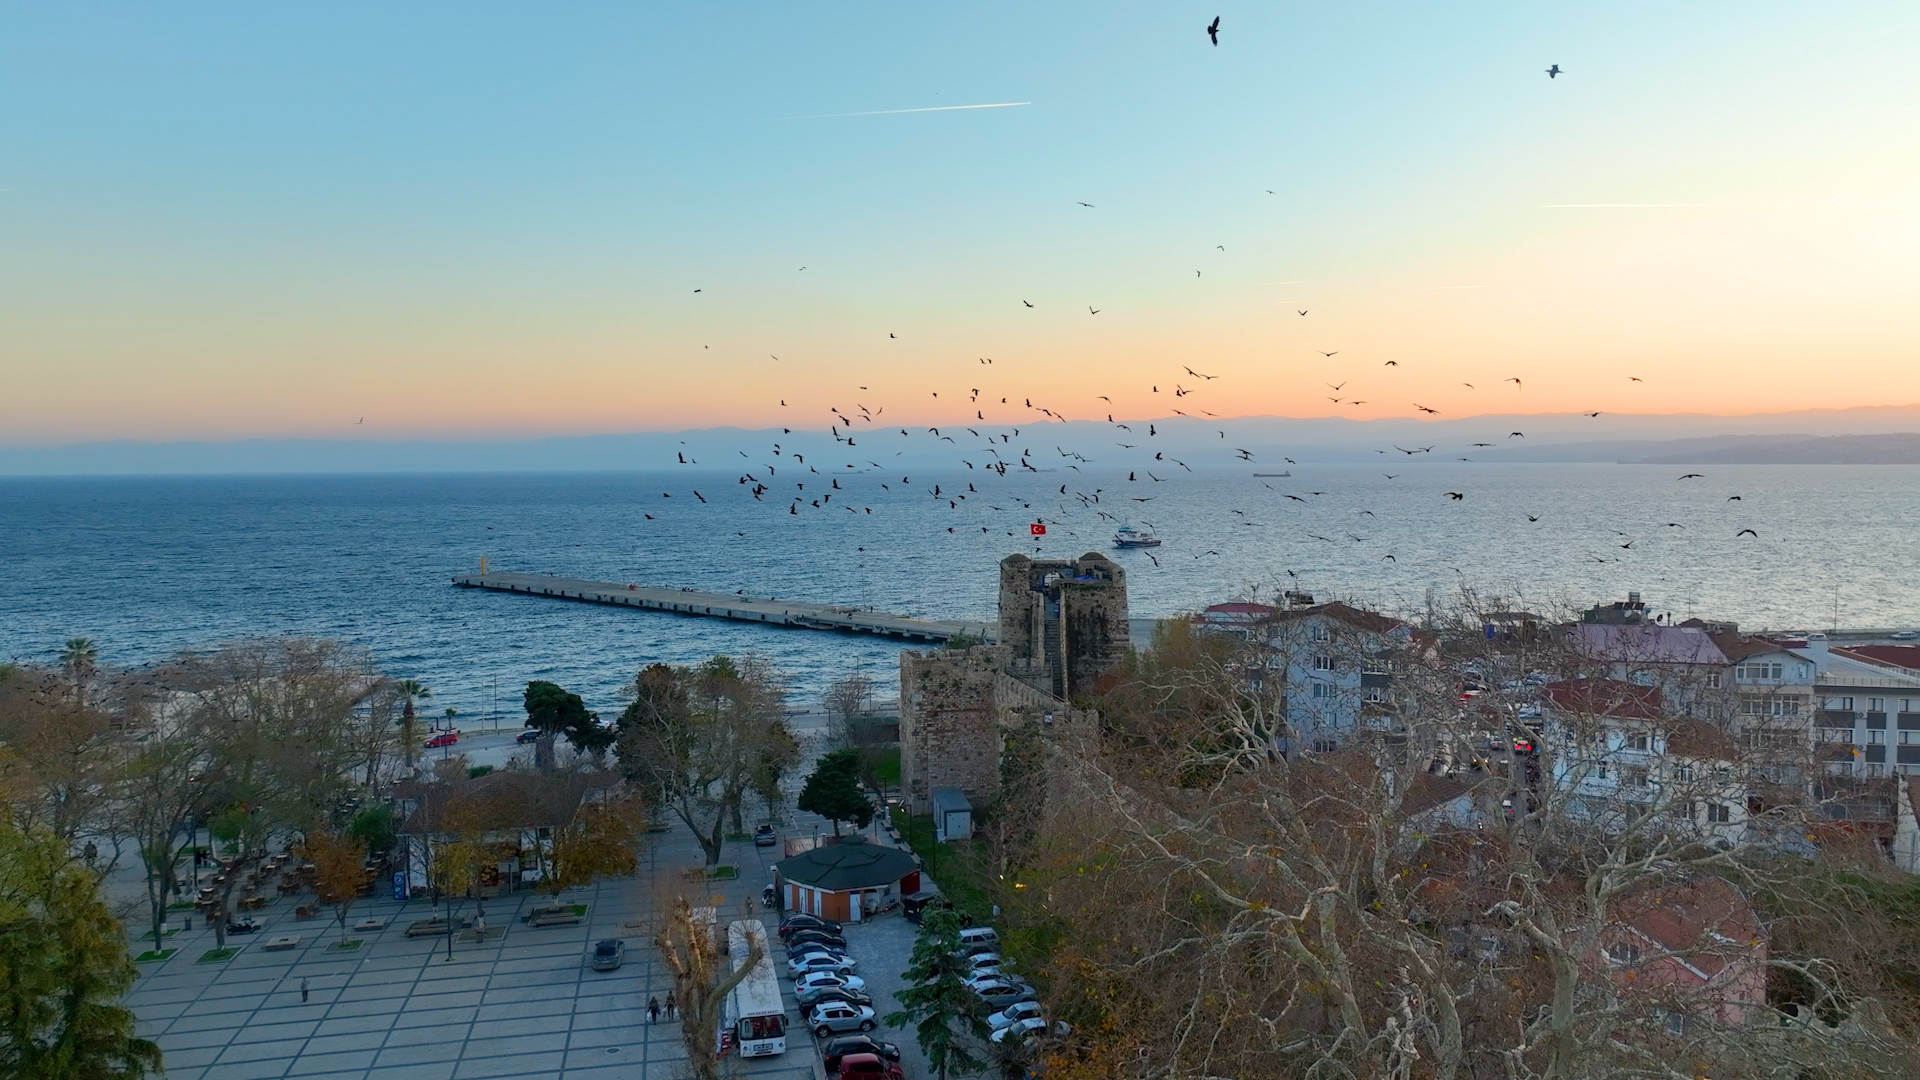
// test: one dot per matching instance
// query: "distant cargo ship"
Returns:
(1273, 474)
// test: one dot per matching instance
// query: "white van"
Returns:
(979, 935)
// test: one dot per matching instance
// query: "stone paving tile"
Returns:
(426, 1071)
(362, 1026)
(412, 1055)
(447, 1033)
(517, 1065)
(246, 1070)
(309, 1063)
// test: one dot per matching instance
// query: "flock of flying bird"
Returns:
(997, 448)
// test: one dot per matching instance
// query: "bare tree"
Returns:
(688, 941)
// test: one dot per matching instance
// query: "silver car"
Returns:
(835, 1016)
(608, 955)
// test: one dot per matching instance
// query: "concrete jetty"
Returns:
(766, 610)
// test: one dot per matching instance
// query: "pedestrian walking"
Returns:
(670, 1012)
(653, 1009)
(303, 989)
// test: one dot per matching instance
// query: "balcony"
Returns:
(1833, 718)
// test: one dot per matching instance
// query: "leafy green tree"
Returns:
(949, 1018)
(63, 970)
(833, 790)
(374, 827)
(81, 658)
(553, 711)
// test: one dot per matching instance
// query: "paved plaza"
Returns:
(523, 1004)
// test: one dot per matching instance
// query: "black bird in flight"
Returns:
(1088, 205)
(1515, 382)
(1733, 498)
(1091, 310)
(1533, 517)
(1303, 313)
(1553, 72)
(1328, 355)
(1590, 415)
(1424, 409)
(1746, 532)
(1455, 496)
(1213, 31)
(1693, 475)
(1517, 435)
(1025, 302)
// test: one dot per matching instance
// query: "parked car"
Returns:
(916, 906)
(806, 922)
(1021, 1030)
(763, 835)
(445, 738)
(823, 995)
(800, 965)
(1019, 1010)
(833, 1049)
(980, 963)
(868, 1067)
(974, 936)
(808, 948)
(608, 955)
(527, 736)
(828, 978)
(837, 1016)
(816, 937)
(1000, 992)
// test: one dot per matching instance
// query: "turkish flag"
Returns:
(1037, 529)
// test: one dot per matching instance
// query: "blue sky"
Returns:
(223, 220)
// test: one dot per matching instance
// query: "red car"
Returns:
(868, 1067)
(445, 738)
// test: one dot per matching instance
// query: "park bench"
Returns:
(287, 941)
(370, 924)
(429, 927)
(562, 917)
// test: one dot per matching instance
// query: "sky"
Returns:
(438, 220)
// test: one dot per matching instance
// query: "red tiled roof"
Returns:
(1900, 656)
(1606, 697)
(1707, 921)
(1365, 620)
(1738, 648)
(1241, 607)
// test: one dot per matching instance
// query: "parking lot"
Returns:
(523, 1004)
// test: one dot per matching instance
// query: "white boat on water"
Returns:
(1130, 537)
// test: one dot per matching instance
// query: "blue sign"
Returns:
(400, 885)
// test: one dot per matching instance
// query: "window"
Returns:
(1769, 705)
(1600, 772)
(1873, 770)
(1713, 680)
(1909, 738)
(1756, 672)
(1319, 632)
(1376, 693)
(1636, 740)
(1874, 704)
(1876, 736)
(1719, 813)
(1840, 704)
(1322, 690)
(1323, 663)
(1634, 777)
(1681, 774)
(1624, 952)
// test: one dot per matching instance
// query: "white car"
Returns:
(1022, 1030)
(1019, 1010)
(812, 962)
(828, 979)
(835, 1016)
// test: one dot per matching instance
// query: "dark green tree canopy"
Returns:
(833, 790)
(554, 711)
(948, 1017)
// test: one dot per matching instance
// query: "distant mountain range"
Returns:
(1819, 436)
(1898, 448)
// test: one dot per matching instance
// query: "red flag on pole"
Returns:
(1037, 529)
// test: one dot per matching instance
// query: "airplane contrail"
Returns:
(893, 112)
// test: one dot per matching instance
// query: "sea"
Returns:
(147, 566)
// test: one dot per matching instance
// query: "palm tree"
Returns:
(81, 658)
(410, 689)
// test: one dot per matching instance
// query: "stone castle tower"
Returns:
(1063, 622)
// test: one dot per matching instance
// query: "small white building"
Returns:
(952, 814)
